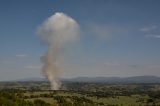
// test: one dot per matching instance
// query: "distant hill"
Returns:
(125, 80)
(31, 79)
(134, 79)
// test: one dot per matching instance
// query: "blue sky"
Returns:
(118, 37)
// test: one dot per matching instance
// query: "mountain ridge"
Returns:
(133, 79)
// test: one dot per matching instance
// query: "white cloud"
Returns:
(112, 68)
(113, 63)
(151, 31)
(6, 61)
(153, 36)
(21, 55)
(153, 66)
(105, 31)
(122, 64)
(33, 67)
(148, 29)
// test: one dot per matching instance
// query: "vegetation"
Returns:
(79, 94)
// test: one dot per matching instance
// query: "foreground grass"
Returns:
(71, 97)
(80, 94)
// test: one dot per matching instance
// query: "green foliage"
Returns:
(39, 102)
(82, 94)
(11, 99)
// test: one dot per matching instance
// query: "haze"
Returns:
(117, 38)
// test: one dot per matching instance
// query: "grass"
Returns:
(118, 100)
(133, 95)
(47, 100)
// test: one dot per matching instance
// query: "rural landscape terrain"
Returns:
(86, 92)
(79, 52)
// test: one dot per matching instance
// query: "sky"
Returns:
(117, 38)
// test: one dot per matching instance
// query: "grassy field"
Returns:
(84, 94)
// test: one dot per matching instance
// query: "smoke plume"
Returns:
(58, 30)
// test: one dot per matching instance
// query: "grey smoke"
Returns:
(58, 30)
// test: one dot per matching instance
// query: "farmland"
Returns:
(79, 94)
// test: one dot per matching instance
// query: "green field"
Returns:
(79, 94)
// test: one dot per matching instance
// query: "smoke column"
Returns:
(58, 30)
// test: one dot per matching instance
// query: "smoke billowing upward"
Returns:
(56, 32)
